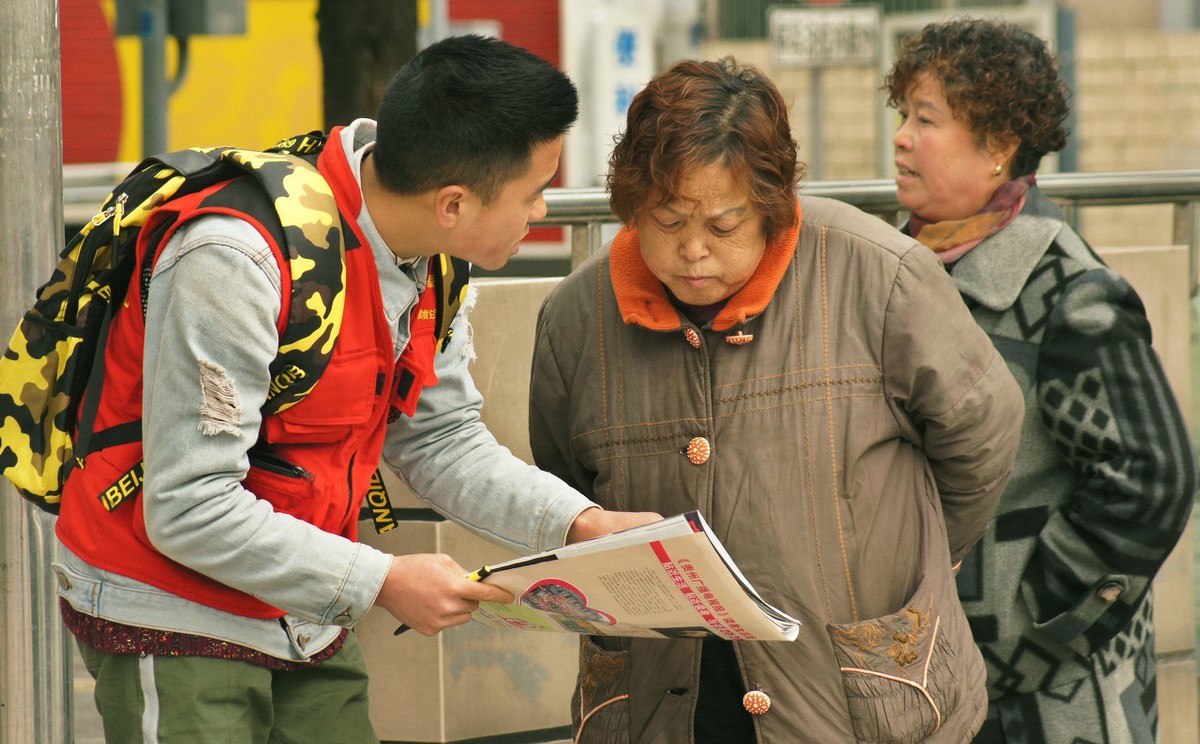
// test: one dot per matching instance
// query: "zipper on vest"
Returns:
(349, 491)
(278, 465)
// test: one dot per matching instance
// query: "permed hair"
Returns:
(699, 113)
(469, 110)
(1001, 81)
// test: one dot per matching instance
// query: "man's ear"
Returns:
(449, 205)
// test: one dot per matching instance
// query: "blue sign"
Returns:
(626, 47)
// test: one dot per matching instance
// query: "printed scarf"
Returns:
(950, 239)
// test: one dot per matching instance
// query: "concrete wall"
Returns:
(1107, 14)
(1138, 108)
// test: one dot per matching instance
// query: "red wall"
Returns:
(91, 84)
(530, 24)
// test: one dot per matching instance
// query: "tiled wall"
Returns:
(1137, 107)
(1138, 100)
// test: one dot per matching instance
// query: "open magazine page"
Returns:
(671, 578)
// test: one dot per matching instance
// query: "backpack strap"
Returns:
(306, 225)
(315, 242)
(301, 213)
(450, 279)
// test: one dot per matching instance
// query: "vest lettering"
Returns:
(308, 145)
(427, 314)
(383, 520)
(378, 498)
(381, 505)
(284, 380)
(127, 485)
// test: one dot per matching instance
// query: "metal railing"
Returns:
(585, 210)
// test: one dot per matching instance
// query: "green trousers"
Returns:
(198, 700)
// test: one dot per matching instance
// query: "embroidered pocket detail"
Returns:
(897, 672)
(600, 705)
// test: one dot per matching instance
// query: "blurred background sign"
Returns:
(818, 37)
(828, 35)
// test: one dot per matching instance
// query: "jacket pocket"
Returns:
(899, 672)
(600, 705)
(342, 400)
(288, 487)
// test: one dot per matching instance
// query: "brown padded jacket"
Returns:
(858, 444)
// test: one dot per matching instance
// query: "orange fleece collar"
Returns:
(642, 298)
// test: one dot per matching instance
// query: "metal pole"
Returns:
(156, 93)
(35, 671)
(586, 241)
(1186, 231)
(816, 165)
(433, 21)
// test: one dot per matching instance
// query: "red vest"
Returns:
(335, 434)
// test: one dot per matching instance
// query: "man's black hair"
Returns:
(469, 110)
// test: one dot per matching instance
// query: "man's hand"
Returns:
(429, 592)
(595, 521)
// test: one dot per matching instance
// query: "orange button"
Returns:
(756, 702)
(698, 451)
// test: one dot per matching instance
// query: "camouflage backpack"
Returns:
(56, 353)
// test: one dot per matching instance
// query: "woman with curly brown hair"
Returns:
(810, 380)
(1058, 591)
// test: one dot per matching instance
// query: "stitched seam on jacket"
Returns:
(806, 429)
(837, 497)
(801, 371)
(800, 386)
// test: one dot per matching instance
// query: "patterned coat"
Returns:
(1057, 592)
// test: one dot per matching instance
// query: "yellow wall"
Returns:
(248, 91)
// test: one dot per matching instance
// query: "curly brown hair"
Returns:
(999, 79)
(699, 113)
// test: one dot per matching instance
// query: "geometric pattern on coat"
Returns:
(1102, 488)
(1123, 687)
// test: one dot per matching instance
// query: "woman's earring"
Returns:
(997, 170)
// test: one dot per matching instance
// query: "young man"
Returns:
(214, 606)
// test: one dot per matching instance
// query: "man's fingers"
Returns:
(449, 619)
(481, 592)
(430, 592)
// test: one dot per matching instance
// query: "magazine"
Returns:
(667, 579)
